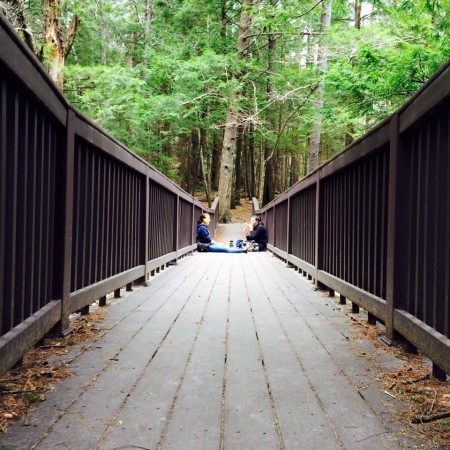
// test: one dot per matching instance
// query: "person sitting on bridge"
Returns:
(257, 236)
(204, 241)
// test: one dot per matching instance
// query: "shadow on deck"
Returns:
(220, 352)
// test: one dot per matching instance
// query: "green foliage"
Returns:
(32, 397)
(193, 74)
(385, 62)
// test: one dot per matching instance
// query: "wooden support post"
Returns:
(438, 373)
(142, 281)
(129, 287)
(64, 324)
(146, 225)
(84, 311)
(146, 218)
(321, 286)
(343, 300)
(330, 292)
(318, 238)
(411, 348)
(176, 231)
(355, 308)
(398, 182)
(102, 301)
(117, 293)
(371, 319)
(288, 232)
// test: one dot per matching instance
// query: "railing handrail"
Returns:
(113, 195)
(406, 158)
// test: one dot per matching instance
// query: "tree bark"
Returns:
(148, 23)
(238, 178)
(205, 162)
(103, 38)
(251, 153)
(59, 46)
(226, 167)
(232, 122)
(322, 63)
(261, 173)
(265, 149)
(216, 157)
(358, 14)
(248, 164)
(54, 41)
(17, 16)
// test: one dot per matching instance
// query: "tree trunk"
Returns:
(216, 157)
(195, 150)
(17, 16)
(226, 167)
(247, 167)
(230, 134)
(238, 181)
(294, 170)
(59, 47)
(104, 43)
(205, 162)
(322, 63)
(251, 164)
(358, 14)
(148, 23)
(224, 20)
(261, 174)
(54, 41)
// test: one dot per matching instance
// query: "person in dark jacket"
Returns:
(203, 237)
(256, 234)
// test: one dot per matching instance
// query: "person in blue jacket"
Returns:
(205, 241)
(257, 236)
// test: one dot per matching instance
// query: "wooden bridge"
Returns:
(81, 217)
(220, 351)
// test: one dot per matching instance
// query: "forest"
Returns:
(236, 98)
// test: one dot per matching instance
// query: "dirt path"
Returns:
(242, 212)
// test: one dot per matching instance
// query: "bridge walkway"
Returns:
(221, 351)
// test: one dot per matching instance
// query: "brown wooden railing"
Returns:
(373, 223)
(81, 216)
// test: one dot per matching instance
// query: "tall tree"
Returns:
(322, 64)
(194, 79)
(148, 23)
(58, 39)
(232, 121)
(16, 13)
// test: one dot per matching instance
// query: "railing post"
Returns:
(177, 227)
(146, 223)
(193, 223)
(288, 230)
(318, 230)
(3, 172)
(275, 225)
(68, 221)
(395, 230)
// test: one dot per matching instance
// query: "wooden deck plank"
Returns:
(302, 420)
(131, 347)
(359, 424)
(196, 420)
(249, 421)
(221, 351)
(143, 419)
